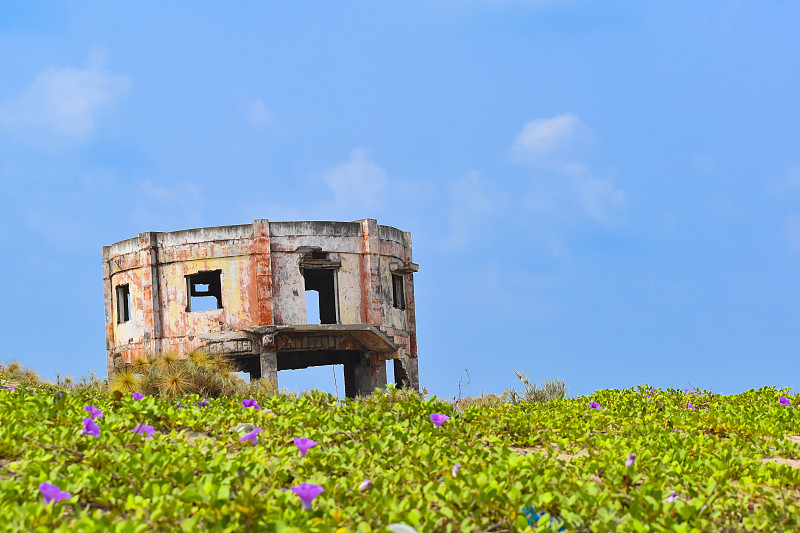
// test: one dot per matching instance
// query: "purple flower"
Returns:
(59, 393)
(93, 411)
(690, 406)
(365, 485)
(594, 405)
(252, 436)
(10, 389)
(90, 428)
(204, 403)
(456, 468)
(631, 459)
(687, 391)
(250, 403)
(672, 497)
(785, 401)
(307, 493)
(457, 408)
(52, 493)
(137, 396)
(303, 444)
(143, 429)
(439, 419)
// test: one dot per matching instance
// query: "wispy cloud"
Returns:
(258, 114)
(63, 105)
(471, 201)
(555, 150)
(168, 206)
(358, 182)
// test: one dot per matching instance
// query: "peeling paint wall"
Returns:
(261, 280)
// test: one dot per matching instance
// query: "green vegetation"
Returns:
(699, 461)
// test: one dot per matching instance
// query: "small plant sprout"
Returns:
(93, 411)
(438, 419)
(631, 459)
(137, 396)
(303, 444)
(143, 429)
(307, 492)
(90, 428)
(52, 493)
(252, 436)
(250, 403)
(456, 468)
(365, 485)
(784, 401)
(672, 497)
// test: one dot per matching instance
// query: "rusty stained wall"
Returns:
(261, 281)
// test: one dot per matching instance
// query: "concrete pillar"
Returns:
(109, 306)
(269, 367)
(363, 374)
(406, 373)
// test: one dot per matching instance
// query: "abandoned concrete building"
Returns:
(271, 295)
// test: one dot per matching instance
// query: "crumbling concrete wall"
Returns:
(263, 270)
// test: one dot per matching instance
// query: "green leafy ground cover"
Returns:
(701, 469)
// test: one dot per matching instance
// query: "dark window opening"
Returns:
(123, 303)
(398, 292)
(321, 281)
(204, 290)
(319, 255)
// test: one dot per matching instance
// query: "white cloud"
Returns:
(63, 104)
(471, 202)
(358, 182)
(554, 148)
(552, 140)
(258, 114)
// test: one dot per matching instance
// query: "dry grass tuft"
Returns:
(124, 380)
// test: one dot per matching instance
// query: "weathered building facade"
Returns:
(242, 291)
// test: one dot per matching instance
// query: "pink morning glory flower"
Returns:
(687, 391)
(594, 405)
(303, 444)
(365, 485)
(250, 403)
(785, 401)
(457, 408)
(690, 406)
(438, 419)
(90, 428)
(631, 459)
(456, 468)
(59, 393)
(252, 436)
(93, 411)
(10, 389)
(137, 396)
(307, 492)
(204, 403)
(143, 429)
(52, 493)
(672, 497)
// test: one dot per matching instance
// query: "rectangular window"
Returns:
(323, 282)
(123, 303)
(204, 291)
(398, 292)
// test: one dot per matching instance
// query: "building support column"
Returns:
(406, 373)
(269, 367)
(363, 373)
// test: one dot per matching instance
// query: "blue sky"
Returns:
(603, 192)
